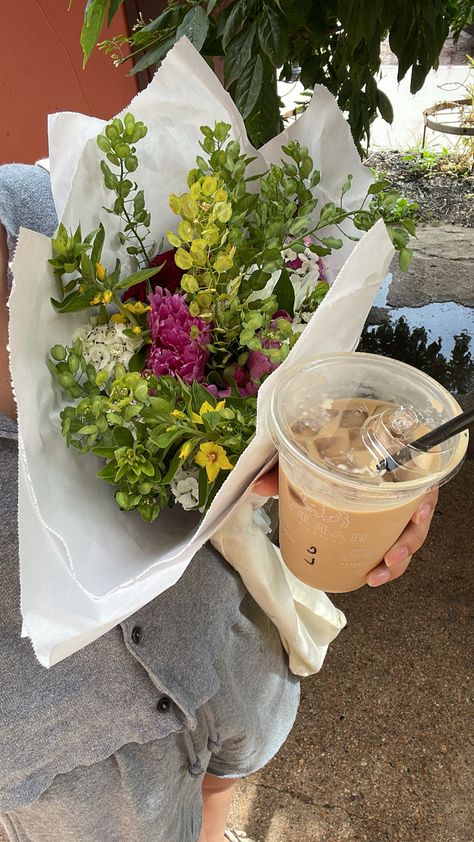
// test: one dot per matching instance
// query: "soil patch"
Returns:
(442, 196)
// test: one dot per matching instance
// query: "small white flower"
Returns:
(104, 346)
(185, 489)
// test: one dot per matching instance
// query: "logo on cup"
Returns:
(312, 553)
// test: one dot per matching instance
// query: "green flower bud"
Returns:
(58, 352)
(101, 378)
(73, 364)
(66, 380)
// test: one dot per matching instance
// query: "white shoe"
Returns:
(237, 835)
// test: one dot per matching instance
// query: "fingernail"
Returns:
(396, 555)
(378, 578)
(422, 513)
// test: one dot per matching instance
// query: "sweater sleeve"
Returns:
(26, 201)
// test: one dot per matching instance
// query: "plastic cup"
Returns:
(337, 521)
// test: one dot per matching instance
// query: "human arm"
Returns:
(7, 403)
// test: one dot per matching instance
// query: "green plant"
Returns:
(333, 42)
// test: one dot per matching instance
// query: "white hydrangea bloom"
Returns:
(104, 346)
(185, 489)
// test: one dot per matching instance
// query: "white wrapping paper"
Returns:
(85, 565)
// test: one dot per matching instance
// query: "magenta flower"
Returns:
(174, 349)
(259, 364)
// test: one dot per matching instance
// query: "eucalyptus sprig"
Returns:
(118, 143)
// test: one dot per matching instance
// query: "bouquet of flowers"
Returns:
(162, 380)
(164, 361)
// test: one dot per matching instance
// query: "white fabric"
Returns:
(306, 619)
(85, 565)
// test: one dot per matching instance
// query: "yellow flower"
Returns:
(107, 296)
(178, 414)
(97, 299)
(118, 318)
(185, 450)
(213, 458)
(137, 307)
(137, 329)
(206, 407)
(100, 271)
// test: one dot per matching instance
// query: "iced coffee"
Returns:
(334, 421)
(344, 543)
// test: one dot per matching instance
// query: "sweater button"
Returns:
(164, 704)
(136, 634)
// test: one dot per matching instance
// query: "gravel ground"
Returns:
(443, 197)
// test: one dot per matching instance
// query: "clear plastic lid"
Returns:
(345, 413)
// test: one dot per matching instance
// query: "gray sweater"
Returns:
(106, 695)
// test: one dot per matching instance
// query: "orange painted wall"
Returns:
(41, 72)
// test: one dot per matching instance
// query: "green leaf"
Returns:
(137, 361)
(238, 54)
(174, 465)
(123, 437)
(377, 187)
(155, 55)
(195, 26)
(237, 15)
(74, 302)
(385, 106)
(249, 86)
(285, 293)
(332, 242)
(273, 35)
(137, 277)
(113, 9)
(94, 17)
(405, 257)
(98, 245)
(203, 487)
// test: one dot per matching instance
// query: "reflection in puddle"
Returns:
(413, 345)
(435, 338)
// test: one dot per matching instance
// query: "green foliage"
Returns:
(332, 42)
(117, 143)
(88, 283)
(145, 430)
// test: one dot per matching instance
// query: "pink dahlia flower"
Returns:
(173, 351)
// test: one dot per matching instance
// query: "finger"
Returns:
(427, 506)
(416, 531)
(382, 574)
(267, 486)
(412, 538)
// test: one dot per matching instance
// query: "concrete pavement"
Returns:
(382, 748)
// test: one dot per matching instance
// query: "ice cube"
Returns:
(332, 447)
(306, 427)
(356, 440)
(400, 422)
(354, 417)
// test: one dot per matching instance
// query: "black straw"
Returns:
(434, 437)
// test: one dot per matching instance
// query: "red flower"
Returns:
(169, 277)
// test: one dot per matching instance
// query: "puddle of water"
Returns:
(441, 320)
(435, 338)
